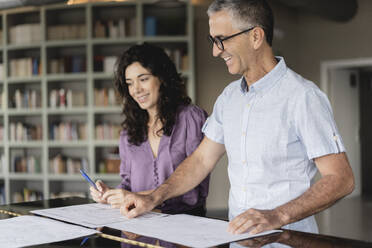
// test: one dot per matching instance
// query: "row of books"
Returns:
(29, 164)
(62, 98)
(110, 164)
(105, 97)
(104, 64)
(27, 195)
(25, 33)
(26, 99)
(24, 132)
(25, 67)
(67, 32)
(107, 131)
(67, 64)
(63, 164)
(67, 131)
(115, 28)
(179, 57)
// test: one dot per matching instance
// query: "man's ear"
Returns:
(258, 37)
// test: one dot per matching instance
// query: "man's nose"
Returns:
(216, 51)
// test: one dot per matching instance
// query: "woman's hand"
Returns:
(115, 197)
(97, 194)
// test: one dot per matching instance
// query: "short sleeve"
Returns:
(213, 127)
(315, 125)
(124, 163)
(194, 122)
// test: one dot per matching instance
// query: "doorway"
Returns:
(348, 84)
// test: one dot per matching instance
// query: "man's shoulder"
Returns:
(297, 84)
(232, 87)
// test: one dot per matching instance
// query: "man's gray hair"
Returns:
(246, 14)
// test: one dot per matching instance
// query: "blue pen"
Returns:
(88, 179)
(84, 240)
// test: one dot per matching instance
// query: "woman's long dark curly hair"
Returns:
(172, 92)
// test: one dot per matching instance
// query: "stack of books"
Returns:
(105, 97)
(62, 98)
(29, 164)
(67, 131)
(67, 64)
(24, 132)
(26, 99)
(63, 164)
(107, 131)
(115, 28)
(67, 32)
(25, 67)
(25, 34)
(27, 195)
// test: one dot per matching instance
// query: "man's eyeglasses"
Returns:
(219, 41)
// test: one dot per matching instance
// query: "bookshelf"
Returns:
(58, 109)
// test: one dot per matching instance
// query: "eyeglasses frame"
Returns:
(217, 40)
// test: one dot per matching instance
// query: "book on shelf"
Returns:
(28, 164)
(107, 131)
(67, 32)
(25, 67)
(67, 64)
(114, 29)
(62, 98)
(150, 25)
(110, 163)
(105, 97)
(25, 34)
(104, 64)
(26, 99)
(62, 164)
(179, 57)
(68, 131)
(24, 132)
(27, 195)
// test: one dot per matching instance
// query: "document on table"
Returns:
(91, 215)
(32, 230)
(185, 230)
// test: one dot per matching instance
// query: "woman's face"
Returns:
(142, 86)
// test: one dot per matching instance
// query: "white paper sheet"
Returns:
(184, 229)
(32, 230)
(90, 215)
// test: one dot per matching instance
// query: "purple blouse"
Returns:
(141, 171)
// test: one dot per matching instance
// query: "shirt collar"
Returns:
(266, 82)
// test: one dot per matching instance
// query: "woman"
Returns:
(161, 128)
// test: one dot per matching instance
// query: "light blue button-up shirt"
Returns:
(272, 132)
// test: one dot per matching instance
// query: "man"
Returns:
(277, 129)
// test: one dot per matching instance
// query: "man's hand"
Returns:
(115, 197)
(97, 194)
(136, 204)
(255, 221)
